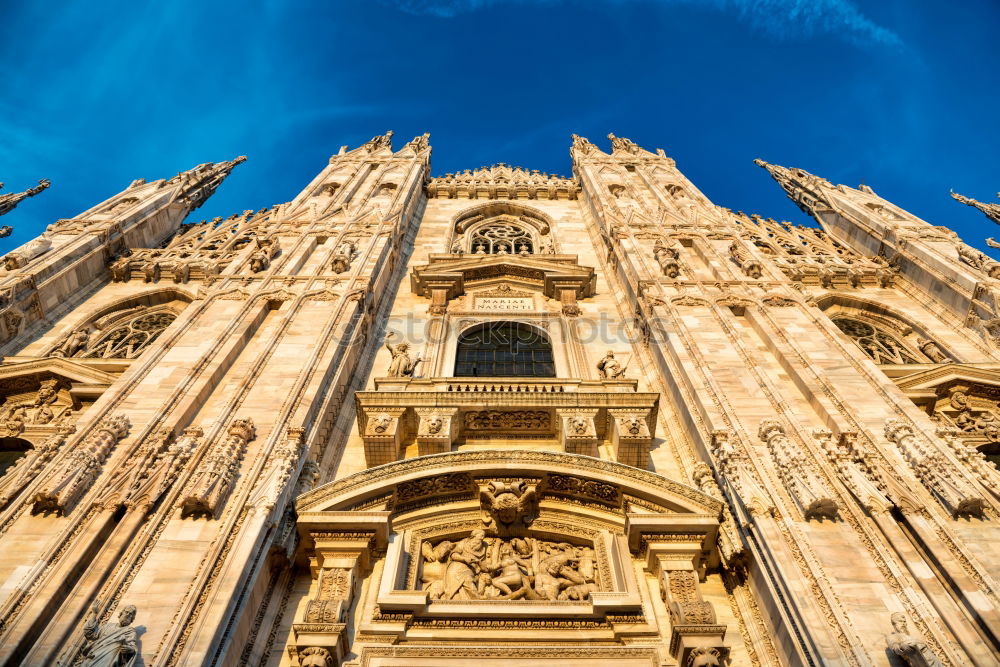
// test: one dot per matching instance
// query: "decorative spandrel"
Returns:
(518, 568)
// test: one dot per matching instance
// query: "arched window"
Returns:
(504, 349)
(11, 449)
(128, 339)
(882, 347)
(501, 238)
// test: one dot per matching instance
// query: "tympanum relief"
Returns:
(49, 405)
(477, 567)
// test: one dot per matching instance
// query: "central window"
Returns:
(501, 239)
(504, 349)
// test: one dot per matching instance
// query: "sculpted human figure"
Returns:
(555, 573)
(401, 366)
(912, 649)
(609, 368)
(74, 343)
(111, 644)
(511, 560)
(462, 576)
(931, 349)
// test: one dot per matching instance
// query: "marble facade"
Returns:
(287, 438)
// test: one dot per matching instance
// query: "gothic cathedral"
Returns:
(499, 418)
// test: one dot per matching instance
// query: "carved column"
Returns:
(631, 436)
(341, 556)
(935, 470)
(577, 431)
(848, 464)
(80, 469)
(693, 625)
(730, 543)
(736, 469)
(436, 430)
(798, 472)
(210, 485)
(382, 433)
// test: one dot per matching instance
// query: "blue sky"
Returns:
(899, 93)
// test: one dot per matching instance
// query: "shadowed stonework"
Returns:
(498, 417)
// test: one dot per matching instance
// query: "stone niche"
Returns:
(506, 553)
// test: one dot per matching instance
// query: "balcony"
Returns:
(434, 415)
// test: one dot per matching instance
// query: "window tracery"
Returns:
(882, 347)
(501, 238)
(129, 339)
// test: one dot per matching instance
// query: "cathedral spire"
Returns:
(201, 182)
(803, 188)
(992, 211)
(9, 201)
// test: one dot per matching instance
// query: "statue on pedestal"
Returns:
(111, 644)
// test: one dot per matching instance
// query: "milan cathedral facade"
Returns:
(498, 418)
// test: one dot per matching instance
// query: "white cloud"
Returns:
(781, 19)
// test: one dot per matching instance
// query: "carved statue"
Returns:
(380, 141)
(111, 644)
(401, 366)
(609, 368)
(74, 343)
(912, 649)
(508, 506)
(933, 352)
(259, 260)
(342, 257)
(666, 257)
(481, 568)
(582, 144)
(463, 571)
(622, 144)
(316, 656)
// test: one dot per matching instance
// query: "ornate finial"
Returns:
(582, 144)
(622, 144)
(992, 211)
(380, 141)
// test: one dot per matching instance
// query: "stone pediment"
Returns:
(552, 273)
(928, 378)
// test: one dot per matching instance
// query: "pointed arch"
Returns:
(887, 337)
(501, 227)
